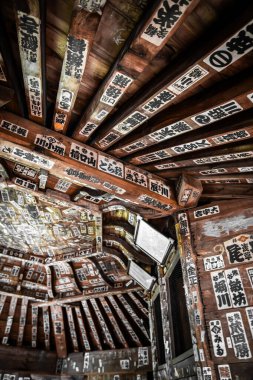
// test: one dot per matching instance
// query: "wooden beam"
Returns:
(29, 38)
(35, 312)
(22, 321)
(236, 128)
(177, 81)
(82, 330)
(72, 328)
(80, 38)
(138, 304)
(130, 330)
(107, 337)
(2, 302)
(93, 331)
(59, 330)
(227, 98)
(9, 321)
(142, 49)
(46, 327)
(80, 164)
(6, 95)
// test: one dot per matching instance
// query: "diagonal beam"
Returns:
(59, 330)
(181, 77)
(143, 48)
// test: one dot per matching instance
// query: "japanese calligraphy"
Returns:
(221, 290)
(239, 249)
(50, 143)
(170, 131)
(112, 187)
(142, 356)
(136, 177)
(207, 373)
(23, 132)
(170, 165)
(249, 313)
(62, 185)
(233, 136)
(108, 139)
(88, 128)
(236, 288)
(60, 120)
(188, 79)
(219, 347)
(213, 262)
(238, 335)
(159, 155)
(217, 113)
(191, 146)
(2, 74)
(183, 224)
(25, 170)
(29, 36)
(27, 184)
(164, 21)
(82, 154)
(135, 146)
(34, 90)
(162, 98)
(81, 175)
(224, 372)
(75, 57)
(213, 171)
(245, 169)
(159, 187)
(28, 156)
(236, 47)
(153, 202)
(111, 166)
(65, 100)
(206, 211)
(250, 275)
(223, 157)
(116, 88)
(101, 115)
(94, 6)
(130, 122)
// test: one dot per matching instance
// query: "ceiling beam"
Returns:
(182, 78)
(80, 164)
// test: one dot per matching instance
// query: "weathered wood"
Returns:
(97, 168)
(9, 320)
(189, 191)
(93, 331)
(107, 337)
(59, 330)
(85, 341)
(72, 329)
(46, 327)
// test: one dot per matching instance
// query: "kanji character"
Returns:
(240, 43)
(121, 80)
(167, 16)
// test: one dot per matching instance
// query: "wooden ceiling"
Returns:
(104, 105)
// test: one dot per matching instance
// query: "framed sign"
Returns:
(152, 242)
(143, 278)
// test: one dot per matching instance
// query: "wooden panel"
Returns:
(59, 331)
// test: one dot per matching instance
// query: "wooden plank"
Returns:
(189, 191)
(72, 329)
(107, 337)
(177, 80)
(127, 325)
(80, 38)
(143, 48)
(116, 329)
(59, 330)
(82, 329)
(2, 302)
(9, 321)
(100, 171)
(35, 312)
(139, 305)
(93, 331)
(29, 38)
(22, 321)
(46, 327)
(194, 113)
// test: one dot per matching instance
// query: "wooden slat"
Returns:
(182, 71)
(2, 302)
(97, 168)
(127, 325)
(22, 321)
(59, 330)
(29, 37)
(92, 327)
(72, 328)
(79, 42)
(138, 303)
(46, 327)
(116, 329)
(9, 320)
(194, 113)
(124, 73)
(35, 312)
(82, 329)
(107, 337)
